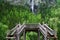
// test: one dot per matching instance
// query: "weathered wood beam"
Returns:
(15, 27)
(49, 29)
(38, 34)
(42, 31)
(24, 35)
(46, 26)
(10, 37)
(21, 29)
(42, 27)
(17, 35)
(12, 31)
(18, 38)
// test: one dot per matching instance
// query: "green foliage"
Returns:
(3, 30)
(11, 15)
(32, 35)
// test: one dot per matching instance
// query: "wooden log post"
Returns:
(17, 35)
(55, 35)
(15, 39)
(38, 34)
(24, 35)
(18, 38)
(45, 36)
(48, 38)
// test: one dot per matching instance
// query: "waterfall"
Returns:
(32, 6)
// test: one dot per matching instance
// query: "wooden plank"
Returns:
(15, 27)
(38, 34)
(45, 38)
(24, 35)
(31, 26)
(46, 26)
(10, 37)
(21, 29)
(49, 29)
(18, 38)
(17, 35)
(42, 27)
(12, 31)
(20, 26)
(42, 31)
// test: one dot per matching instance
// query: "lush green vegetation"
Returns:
(11, 15)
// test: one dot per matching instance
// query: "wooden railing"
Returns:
(18, 29)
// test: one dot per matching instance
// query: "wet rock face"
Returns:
(14, 2)
(34, 4)
(29, 2)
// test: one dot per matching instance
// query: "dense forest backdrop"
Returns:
(11, 15)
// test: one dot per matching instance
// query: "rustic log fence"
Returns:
(46, 31)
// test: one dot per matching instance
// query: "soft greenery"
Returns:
(11, 15)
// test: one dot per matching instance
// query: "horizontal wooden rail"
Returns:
(18, 29)
(42, 29)
(49, 30)
(10, 37)
(15, 27)
(21, 29)
(13, 30)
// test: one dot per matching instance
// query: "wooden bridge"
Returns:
(19, 29)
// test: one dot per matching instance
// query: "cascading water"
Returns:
(32, 5)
